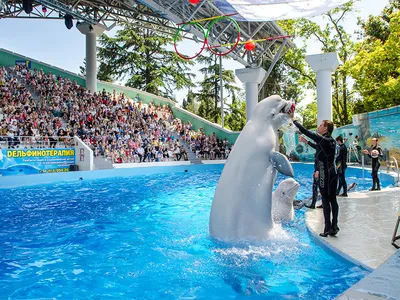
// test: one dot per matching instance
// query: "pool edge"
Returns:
(374, 285)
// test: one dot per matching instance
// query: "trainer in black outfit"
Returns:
(341, 166)
(314, 186)
(325, 154)
(375, 154)
(315, 178)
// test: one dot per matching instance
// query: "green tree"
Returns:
(142, 58)
(82, 69)
(184, 104)
(209, 95)
(376, 67)
(309, 114)
(378, 27)
(235, 119)
(283, 80)
(332, 37)
(192, 106)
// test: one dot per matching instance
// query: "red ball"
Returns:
(194, 1)
(250, 45)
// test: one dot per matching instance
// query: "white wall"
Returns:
(83, 155)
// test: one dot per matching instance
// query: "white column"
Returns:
(91, 32)
(324, 64)
(251, 78)
(91, 64)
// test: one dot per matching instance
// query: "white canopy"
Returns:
(272, 10)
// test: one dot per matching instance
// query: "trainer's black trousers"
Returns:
(342, 180)
(314, 191)
(328, 181)
(375, 179)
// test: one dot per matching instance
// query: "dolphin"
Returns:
(242, 205)
(282, 200)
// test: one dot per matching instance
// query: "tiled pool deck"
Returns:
(366, 222)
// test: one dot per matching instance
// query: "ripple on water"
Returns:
(147, 236)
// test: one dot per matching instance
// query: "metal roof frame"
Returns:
(161, 13)
(105, 12)
(180, 11)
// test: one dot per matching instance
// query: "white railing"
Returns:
(395, 166)
(7, 142)
(352, 150)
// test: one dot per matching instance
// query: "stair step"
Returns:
(34, 96)
(191, 156)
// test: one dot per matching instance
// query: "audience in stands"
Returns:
(206, 147)
(114, 126)
(22, 119)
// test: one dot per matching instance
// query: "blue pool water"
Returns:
(146, 237)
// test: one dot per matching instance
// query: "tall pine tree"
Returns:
(140, 56)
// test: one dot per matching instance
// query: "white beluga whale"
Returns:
(282, 200)
(242, 205)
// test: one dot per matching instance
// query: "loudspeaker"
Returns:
(68, 21)
(27, 6)
(73, 168)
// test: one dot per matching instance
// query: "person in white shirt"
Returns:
(177, 153)
(140, 152)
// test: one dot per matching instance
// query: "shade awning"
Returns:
(273, 10)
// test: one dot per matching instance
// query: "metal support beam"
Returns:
(66, 10)
(194, 13)
(273, 63)
(221, 87)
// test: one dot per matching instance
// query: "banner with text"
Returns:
(35, 161)
(24, 63)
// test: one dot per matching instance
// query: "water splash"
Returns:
(289, 137)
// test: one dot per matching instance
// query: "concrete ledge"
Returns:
(383, 283)
(7, 182)
(151, 164)
(214, 162)
(323, 242)
(366, 222)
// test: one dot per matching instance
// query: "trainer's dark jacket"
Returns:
(325, 147)
(376, 184)
(341, 159)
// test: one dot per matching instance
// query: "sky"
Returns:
(51, 42)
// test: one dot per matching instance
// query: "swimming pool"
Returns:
(146, 237)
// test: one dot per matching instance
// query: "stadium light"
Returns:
(66, 9)
(27, 6)
(68, 21)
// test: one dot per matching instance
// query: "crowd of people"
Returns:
(206, 147)
(114, 126)
(22, 120)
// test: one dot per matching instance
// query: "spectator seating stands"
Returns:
(115, 127)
